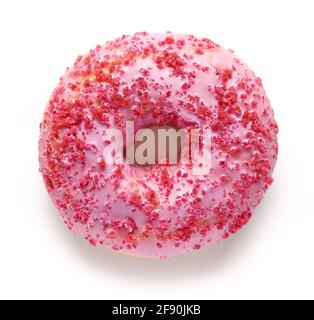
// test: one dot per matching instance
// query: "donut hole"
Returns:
(156, 145)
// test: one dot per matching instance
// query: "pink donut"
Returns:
(159, 210)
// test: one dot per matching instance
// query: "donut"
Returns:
(163, 209)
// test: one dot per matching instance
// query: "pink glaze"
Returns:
(162, 210)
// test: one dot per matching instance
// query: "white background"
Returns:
(272, 257)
